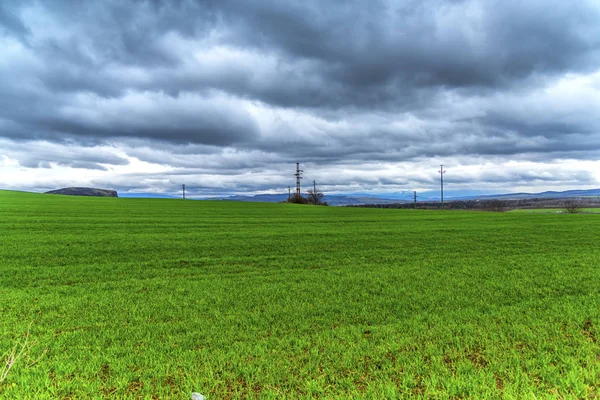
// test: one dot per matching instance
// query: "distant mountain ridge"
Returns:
(84, 191)
(391, 198)
(546, 195)
(359, 199)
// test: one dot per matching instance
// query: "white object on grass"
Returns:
(197, 396)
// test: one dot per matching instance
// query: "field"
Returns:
(147, 298)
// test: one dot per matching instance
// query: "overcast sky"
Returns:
(368, 95)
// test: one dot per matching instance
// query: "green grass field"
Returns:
(145, 298)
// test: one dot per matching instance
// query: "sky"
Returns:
(370, 96)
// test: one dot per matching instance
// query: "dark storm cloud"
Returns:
(458, 43)
(212, 122)
(392, 52)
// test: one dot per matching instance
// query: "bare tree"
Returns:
(572, 206)
(315, 196)
(298, 199)
(495, 205)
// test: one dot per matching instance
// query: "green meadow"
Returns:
(155, 299)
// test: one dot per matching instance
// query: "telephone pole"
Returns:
(183, 188)
(442, 172)
(415, 203)
(314, 187)
(298, 176)
(289, 193)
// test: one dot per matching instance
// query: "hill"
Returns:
(355, 199)
(84, 191)
(567, 194)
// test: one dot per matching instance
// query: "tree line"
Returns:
(497, 205)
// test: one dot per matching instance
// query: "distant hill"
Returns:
(83, 191)
(567, 194)
(361, 199)
(388, 198)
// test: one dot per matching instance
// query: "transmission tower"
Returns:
(442, 172)
(183, 188)
(298, 176)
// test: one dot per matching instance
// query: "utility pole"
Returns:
(442, 172)
(315, 187)
(298, 176)
(415, 204)
(183, 188)
(289, 193)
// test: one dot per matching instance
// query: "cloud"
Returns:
(10, 22)
(32, 154)
(219, 89)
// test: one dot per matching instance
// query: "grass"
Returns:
(147, 298)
